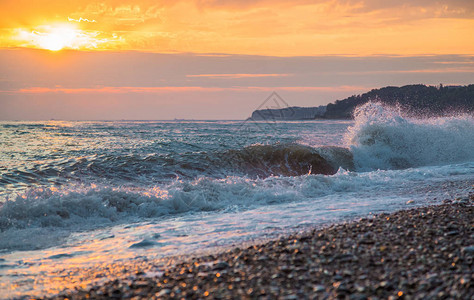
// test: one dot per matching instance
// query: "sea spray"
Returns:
(382, 138)
(130, 172)
(41, 214)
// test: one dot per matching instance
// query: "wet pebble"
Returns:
(420, 253)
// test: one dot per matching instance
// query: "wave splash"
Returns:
(382, 138)
(258, 175)
(255, 161)
(284, 160)
(50, 215)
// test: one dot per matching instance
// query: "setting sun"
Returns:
(60, 36)
(316, 148)
(57, 38)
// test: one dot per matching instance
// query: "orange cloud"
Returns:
(443, 70)
(81, 20)
(168, 89)
(416, 71)
(278, 28)
(236, 76)
(114, 90)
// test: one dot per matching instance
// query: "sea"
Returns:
(78, 197)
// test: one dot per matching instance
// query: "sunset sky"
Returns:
(220, 59)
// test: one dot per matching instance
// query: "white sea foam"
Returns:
(82, 209)
(382, 138)
(116, 205)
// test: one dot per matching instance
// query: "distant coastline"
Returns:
(413, 99)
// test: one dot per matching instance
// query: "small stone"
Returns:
(141, 283)
(451, 233)
(347, 273)
(346, 257)
(263, 258)
(360, 288)
(342, 289)
(220, 265)
(116, 292)
(357, 296)
(285, 269)
(468, 249)
(318, 288)
(337, 277)
(163, 292)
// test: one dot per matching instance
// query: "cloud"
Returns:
(263, 27)
(441, 7)
(236, 76)
(447, 7)
(113, 90)
(37, 84)
(179, 89)
(81, 20)
(446, 70)
(24, 68)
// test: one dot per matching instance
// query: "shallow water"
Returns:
(84, 194)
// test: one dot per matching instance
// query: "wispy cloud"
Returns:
(236, 76)
(113, 90)
(415, 71)
(263, 27)
(42, 84)
(172, 89)
(80, 20)
(442, 70)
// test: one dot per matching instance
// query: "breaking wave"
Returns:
(285, 160)
(381, 145)
(382, 138)
(289, 159)
(50, 215)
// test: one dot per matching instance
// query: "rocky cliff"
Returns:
(289, 113)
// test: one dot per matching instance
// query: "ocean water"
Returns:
(78, 196)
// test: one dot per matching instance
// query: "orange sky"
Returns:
(218, 59)
(275, 28)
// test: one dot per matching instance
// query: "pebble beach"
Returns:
(420, 253)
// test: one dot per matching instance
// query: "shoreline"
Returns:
(418, 253)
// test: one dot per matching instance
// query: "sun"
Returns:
(57, 38)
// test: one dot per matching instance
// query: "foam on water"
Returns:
(39, 212)
(281, 205)
(383, 139)
(200, 188)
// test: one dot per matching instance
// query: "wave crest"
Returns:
(279, 160)
(382, 138)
